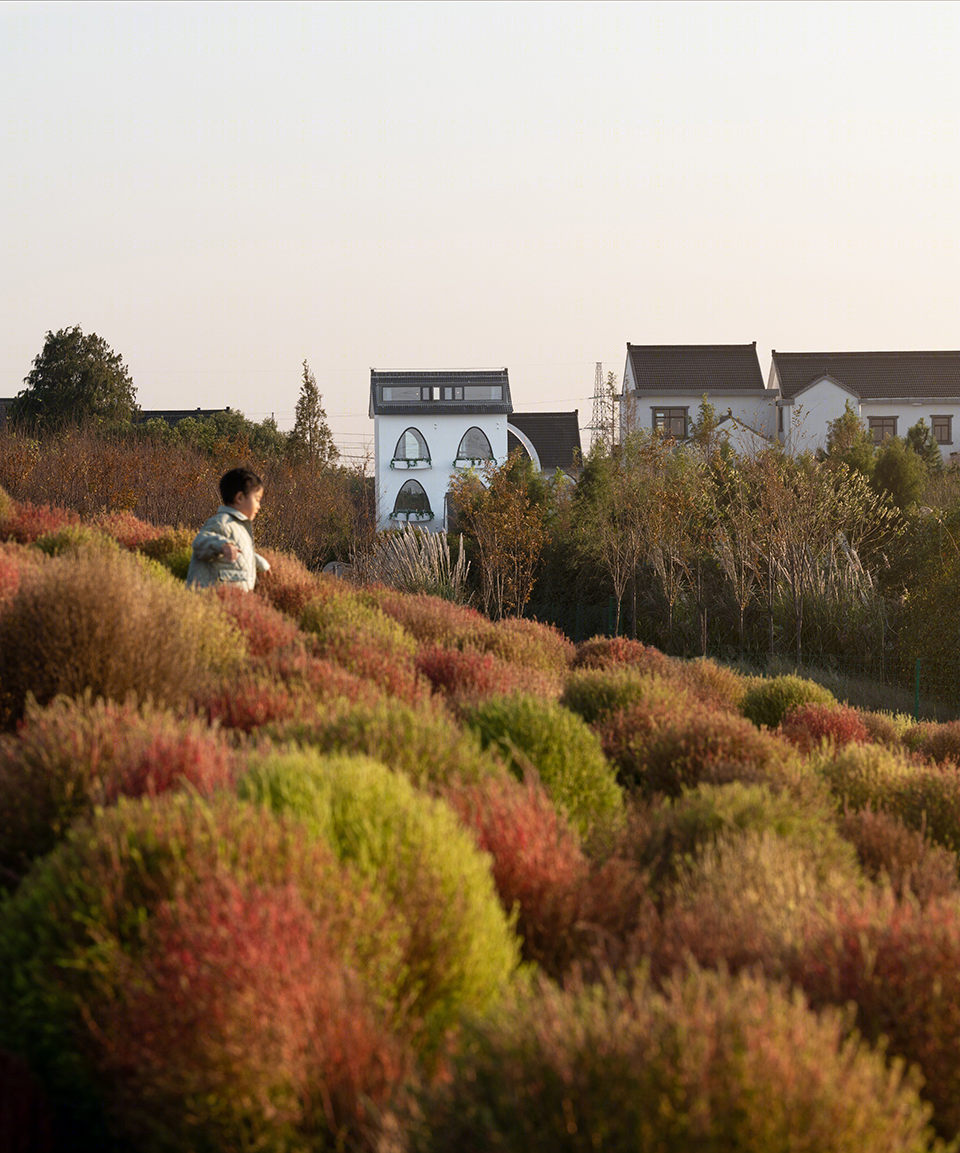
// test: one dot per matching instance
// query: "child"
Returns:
(223, 549)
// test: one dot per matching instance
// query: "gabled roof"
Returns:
(478, 378)
(696, 367)
(555, 436)
(174, 415)
(872, 375)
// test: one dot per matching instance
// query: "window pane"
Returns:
(882, 426)
(411, 446)
(475, 445)
(483, 392)
(393, 394)
(942, 429)
(411, 498)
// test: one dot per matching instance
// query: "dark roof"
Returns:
(696, 367)
(872, 375)
(555, 436)
(175, 415)
(455, 377)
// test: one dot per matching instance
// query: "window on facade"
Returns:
(453, 392)
(411, 446)
(671, 422)
(411, 498)
(394, 394)
(483, 392)
(881, 427)
(474, 445)
(942, 429)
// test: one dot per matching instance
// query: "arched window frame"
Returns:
(411, 514)
(407, 462)
(463, 461)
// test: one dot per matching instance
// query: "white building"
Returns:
(889, 391)
(428, 427)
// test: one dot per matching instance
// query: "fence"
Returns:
(925, 688)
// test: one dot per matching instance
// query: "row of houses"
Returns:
(431, 425)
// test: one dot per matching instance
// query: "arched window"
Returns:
(411, 446)
(474, 445)
(411, 499)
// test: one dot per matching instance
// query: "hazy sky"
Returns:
(223, 190)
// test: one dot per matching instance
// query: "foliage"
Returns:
(509, 529)
(849, 442)
(79, 753)
(891, 853)
(900, 966)
(899, 473)
(554, 743)
(130, 633)
(459, 949)
(920, 439)
(416, 561)
(767, 702)
(73, 377)
(608, 652)
(807, 725)
(310, 438)
(713, 1062)
(469, 675)
(596, 693)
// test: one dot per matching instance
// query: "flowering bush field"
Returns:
(328, 867)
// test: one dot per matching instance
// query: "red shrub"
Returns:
(608, 652)
(887, 848)
(941, 743)
(808, 725)
(394, 673)
(249, 702)
(433, 621)
(75, 754)
(29, 521)
(626, 734)
(290, 585)
(15, 560)
(471, 675)
(899, 963)
(265, 627)
(127, 529)
(303, 673)
(247, 1020)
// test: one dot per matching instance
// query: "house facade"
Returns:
(889, 391)
(664, 385)
(428, 428)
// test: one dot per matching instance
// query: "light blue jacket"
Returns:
(207, 565)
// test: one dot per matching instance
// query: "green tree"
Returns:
(75, 377)
(848, 442)
(920, 439)
(310, 438)
(900, 473)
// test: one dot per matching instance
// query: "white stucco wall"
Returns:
(756, 410)
(443, 435)
(805, 422)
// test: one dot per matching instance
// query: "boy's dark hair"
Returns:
(237, 481)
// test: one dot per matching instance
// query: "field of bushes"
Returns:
(331, 867)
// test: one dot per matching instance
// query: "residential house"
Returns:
(889, 391)
(664, 385)
(550, 439)
(428, 428)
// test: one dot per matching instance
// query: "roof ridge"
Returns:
(932, 352)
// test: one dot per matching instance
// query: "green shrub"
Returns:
(424, 743)
(713, 1063)
(678, 830)
(595, 694)
(716, 686)
(101, 623)
(75, 538)
(766, 703)
(539, 735)
(75, 935)
(460, 949)
(172, 549)
(530, 644)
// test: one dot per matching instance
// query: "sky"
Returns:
(222, 191)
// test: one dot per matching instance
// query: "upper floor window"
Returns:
(881, 427)
(942, 429)
(474, 445)
(671, 422)
(411, 446)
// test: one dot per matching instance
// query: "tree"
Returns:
(920, 439)
(310, 438)
(900, 473)
(74, 377)
(848, 442)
